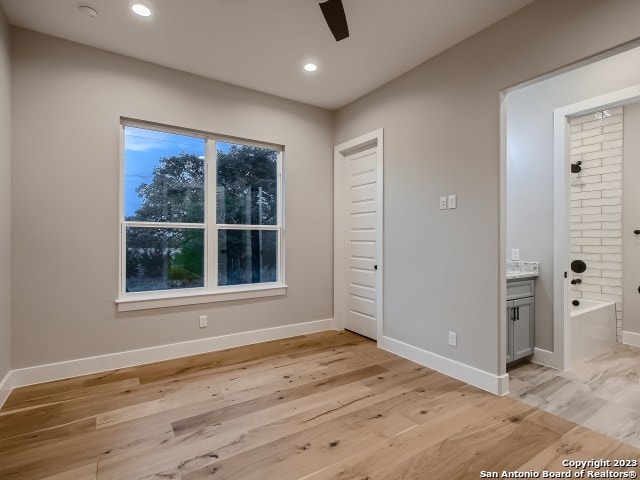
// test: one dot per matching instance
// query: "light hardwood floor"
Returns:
(322, 406)
(601, 392)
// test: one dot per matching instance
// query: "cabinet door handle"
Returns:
(517, 313)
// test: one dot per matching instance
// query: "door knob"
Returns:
(578, 266)
(637, 232)
(375, 267)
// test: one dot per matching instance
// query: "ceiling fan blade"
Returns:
(333, 12)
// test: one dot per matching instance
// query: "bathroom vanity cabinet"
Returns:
(520, 319)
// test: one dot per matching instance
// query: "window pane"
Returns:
(247, 181)
(247, 256)
(163, 176)
(164, 258)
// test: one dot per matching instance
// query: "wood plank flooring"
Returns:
(323, 406)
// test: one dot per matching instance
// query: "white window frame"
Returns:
(211, 292)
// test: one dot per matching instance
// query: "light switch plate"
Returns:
(453, 201)
(515, 254)
(443, 203)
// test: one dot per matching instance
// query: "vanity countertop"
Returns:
(518, 270)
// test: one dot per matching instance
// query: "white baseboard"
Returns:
(546, 358)
(84, 366)
(497, 384)
(631, 338)
(6, 385)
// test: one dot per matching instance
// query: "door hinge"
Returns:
(565, 274)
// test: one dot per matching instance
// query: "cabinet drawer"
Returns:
(520, 289)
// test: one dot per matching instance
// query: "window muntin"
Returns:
(198, 212)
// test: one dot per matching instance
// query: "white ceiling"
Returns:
(263, 44)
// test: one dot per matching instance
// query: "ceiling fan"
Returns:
(333, 12)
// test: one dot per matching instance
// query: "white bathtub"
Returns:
(593, 327)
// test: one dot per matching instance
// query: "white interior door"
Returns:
(360, 232)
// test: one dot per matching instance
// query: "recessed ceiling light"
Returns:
(140, 9)
(88, 11)
(311, 67)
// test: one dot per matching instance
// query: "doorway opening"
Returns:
(538, 182)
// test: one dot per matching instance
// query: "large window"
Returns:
(201, 215)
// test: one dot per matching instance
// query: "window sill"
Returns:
(148, 300)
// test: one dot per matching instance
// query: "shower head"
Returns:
(575, 167)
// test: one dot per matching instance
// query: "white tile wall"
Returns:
(596, 207)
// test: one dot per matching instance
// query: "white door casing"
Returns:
(560, 358)
(358, 235)
(631, 221)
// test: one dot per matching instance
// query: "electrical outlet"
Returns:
(443, 203)
(453, 339)
(203, 321)
(453, 201)
(515, 254)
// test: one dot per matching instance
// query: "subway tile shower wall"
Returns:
(596, 207)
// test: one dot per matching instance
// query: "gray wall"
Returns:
(68, 100)
(5, 199)
(631, 218)
(530, 165)
(442, 135)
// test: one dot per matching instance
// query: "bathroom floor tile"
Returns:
(581, 408)
(601, 392)
(618, 422)
(532, 373)
(518, 387)
(621, 391)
